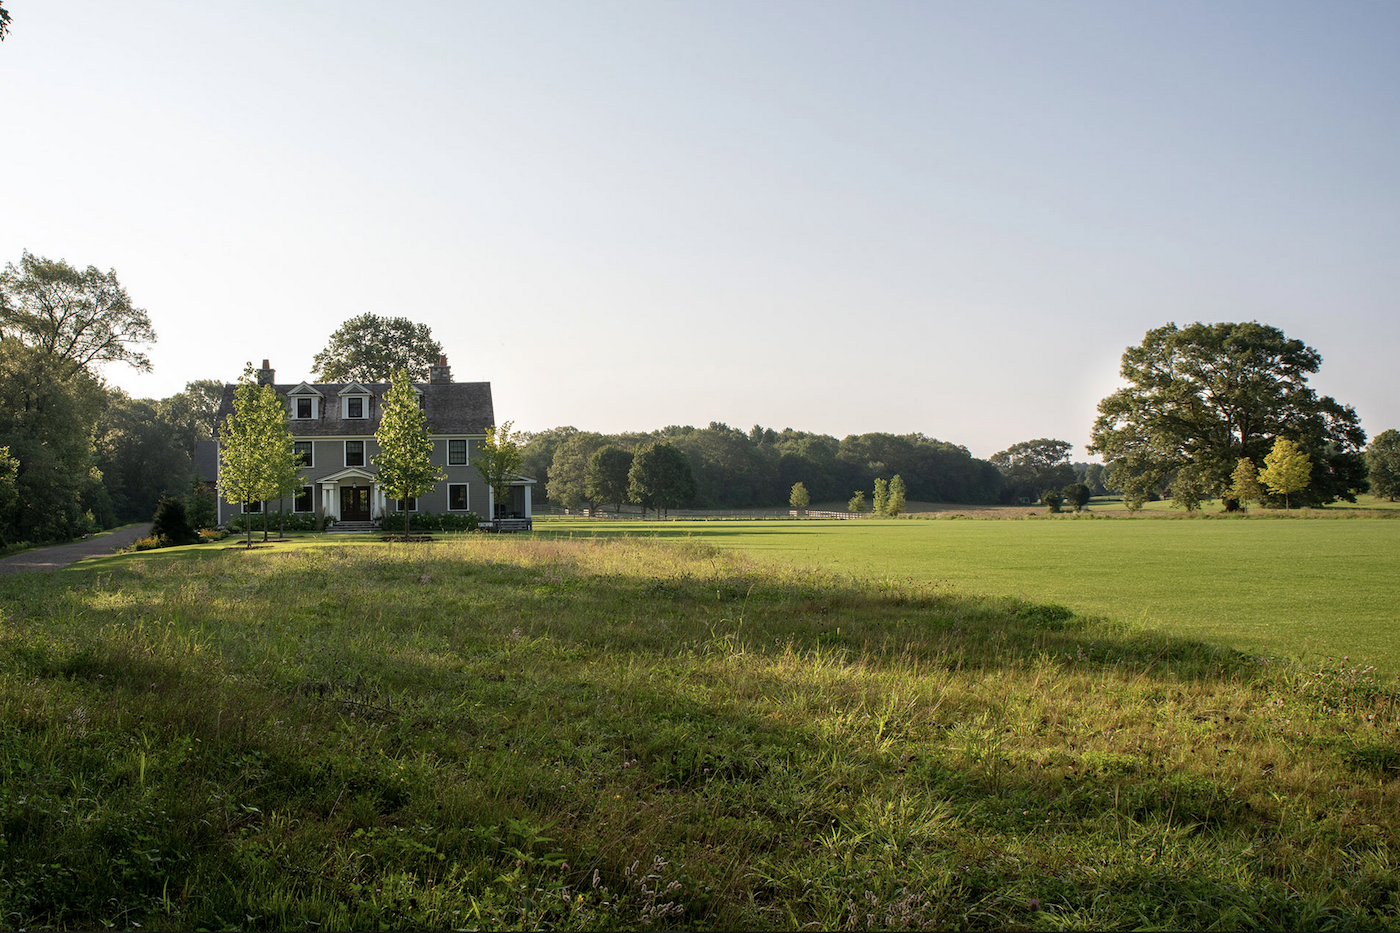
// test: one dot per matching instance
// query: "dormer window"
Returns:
(354, 402)
(306, 403)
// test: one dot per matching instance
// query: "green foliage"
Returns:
(47, 415)
(142, 457)
(370, 348)
(434, 521)
(660, 477)
(607, 476)
(1244, 483)
(1077, 495)
(568, 473)
(880, 501)
(799, 499)
(537, 456)
(404, 462)
(78, 320)
(1286, 469)
(857, 502)
(257, 461)
(898, 497)
(1383, 464)
(172, 524)
(201, 504)
(286, 521)
(1052, 500)
(498, 460)
(1202, 397)
(1032, 467)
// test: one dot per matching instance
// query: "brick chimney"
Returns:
(441, 373)
(267, 375)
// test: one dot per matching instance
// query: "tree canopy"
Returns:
(78, 319)
(607, 476)
(660, 477)
(370, 348)
(404, 465)
(498, 459)
(1200, 398)
(1031, 467)
(1383, 464)
(255, 446)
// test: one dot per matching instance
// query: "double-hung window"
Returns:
(354, 453)
(457, 498)
(457, 453)
(301, 450)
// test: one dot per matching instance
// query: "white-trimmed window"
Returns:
(303, 501)
(252, 507)
(354, 402)
(459, 497)
(355, 453)
(410, 506)
(303, 407)
(302, 451)
(457, 453)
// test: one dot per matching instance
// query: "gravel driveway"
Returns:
(61, 555)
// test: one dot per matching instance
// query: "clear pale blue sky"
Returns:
(835, 216)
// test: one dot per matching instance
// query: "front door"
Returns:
(354, 503)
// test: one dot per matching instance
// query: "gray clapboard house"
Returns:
(333, 427)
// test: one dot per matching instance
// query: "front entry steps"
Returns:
(352, 528)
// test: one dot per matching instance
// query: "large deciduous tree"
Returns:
(78, 319)
(370, 348)
(607, 476)
(404, 463)
(660, 477)
(498, 460)
(1383, 464)
(1032, 467)
(568, 473)
(1202, 397)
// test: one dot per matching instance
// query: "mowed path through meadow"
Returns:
(1304, 588)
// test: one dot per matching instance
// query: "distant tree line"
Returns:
(735, 469)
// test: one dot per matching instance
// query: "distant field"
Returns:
(1302, 588)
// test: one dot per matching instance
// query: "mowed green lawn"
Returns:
(1308, 589)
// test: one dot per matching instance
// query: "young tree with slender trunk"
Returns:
(898, 494)
(1244, 483)
(249, 458)
(1287, 469)
(498, 460)
(881, 499)
(799, 498)
(404, 463)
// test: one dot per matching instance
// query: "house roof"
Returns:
(450, 407)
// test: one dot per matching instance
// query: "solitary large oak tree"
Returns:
(1202, 397)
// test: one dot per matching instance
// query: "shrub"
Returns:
(171, 523)
(432, 521)
(292, 521)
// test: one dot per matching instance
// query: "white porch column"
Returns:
(328, 501)
(490, 504)
(381, 501)
(527, 501)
